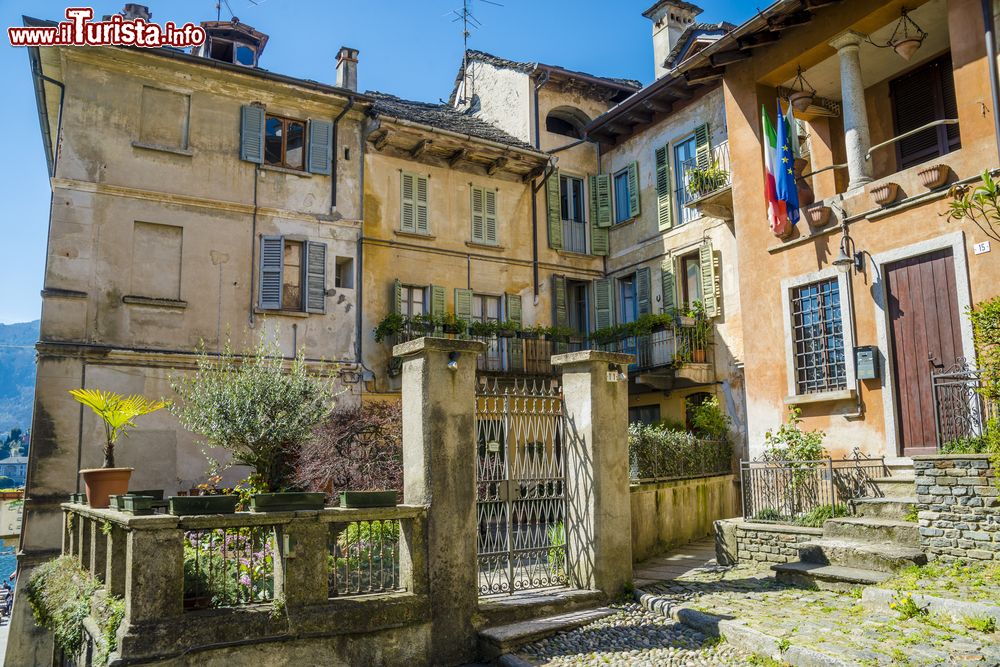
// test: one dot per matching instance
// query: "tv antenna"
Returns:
(218, 9)
(469, 23)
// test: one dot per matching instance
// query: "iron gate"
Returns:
(520, 484)
(959, 410)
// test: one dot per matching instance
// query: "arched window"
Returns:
(567, 121)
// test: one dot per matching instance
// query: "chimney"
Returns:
(134, 11)
(670, 19)
(347, 68)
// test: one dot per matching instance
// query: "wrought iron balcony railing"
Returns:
(703, 181)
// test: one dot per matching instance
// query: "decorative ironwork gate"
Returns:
(520, 482)
(959, 410)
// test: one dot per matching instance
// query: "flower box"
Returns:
(452, 329)
(934, 176)
(885, 193)
(367, 498)
(138, 505)
(506, 333)
(527, 335)
(287, 502)
(185, 505)
(157, 494)
(818, 215)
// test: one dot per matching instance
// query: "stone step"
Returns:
(867, 529)
(501, 639)
(827, 577)
(886, 557)
(506, 609)
(883, 508)
(895, 487)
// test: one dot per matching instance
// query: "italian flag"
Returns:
(777, 216)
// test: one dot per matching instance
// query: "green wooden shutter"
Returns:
(478, 216)
(491, 217)
(272, 265)
(397, 296)
(252, 134)
(667, 284)
(320, 146)
(642, 289)
(463, 304)
(709, 289)
(407, 202)
(437, 301)
(514, 308)
(560, 314)
(599, 241)
(600, 200)
(315, 277)
(603, 304)
(422, 227)
(664, 210)
(553, 208)
(703, 147)
(633, 190)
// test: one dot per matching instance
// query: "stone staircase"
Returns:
(868, 547)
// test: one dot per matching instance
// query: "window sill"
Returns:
(822, 397)
(485, 246)
(153, 301)
(623, 223)
(285, 170)
(414, 235)
(187, 152)
(58, 293)
(575, 253)
(283, 313)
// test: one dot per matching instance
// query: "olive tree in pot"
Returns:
(118, 413)
(261, 408)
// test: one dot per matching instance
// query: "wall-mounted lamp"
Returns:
(453, 362)
(849, 256)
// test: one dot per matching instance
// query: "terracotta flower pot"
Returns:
(101, 483)
(905, 48)
(818, 215)
(885, 194)
(801, 99)
(698, 356)
(933, 176)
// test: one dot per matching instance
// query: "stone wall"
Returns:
(959, 507)
(669, 514)
(739, 541)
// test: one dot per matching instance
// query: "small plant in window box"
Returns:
(606, 335)
(559, 334)
(452, 325)
(704, 181)
(423, 323)
(532, 333)
(391, 325)
(507, 329)
(483, 329)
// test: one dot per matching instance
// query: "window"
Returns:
(684, 152)
(818, 336)
(484, 216)
(232, 52)
(691, 287)
(578, 302)
(567, 121)
(413, 204)
(486, 308)
(919, 97)
(292, 275)
(156, 261)
(628, 310)
(284, 142)
(413, 301)
(164, 118)
(573, 219)
(345, 272)
(621, 196)
(644, 414)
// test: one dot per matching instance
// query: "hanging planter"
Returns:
(905, 48)
(818, 215)
(885, 194)
(803, 94)
(906, 38)
(933, 176)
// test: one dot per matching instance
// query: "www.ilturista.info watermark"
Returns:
(79, 30)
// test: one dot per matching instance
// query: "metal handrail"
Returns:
(904, 135)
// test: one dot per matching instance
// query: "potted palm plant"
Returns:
(118, 413)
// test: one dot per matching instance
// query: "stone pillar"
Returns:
(599, 536)
(154, 571)
(115, 549)
(300, 573)
(98, 549)
(857, 138)
(439, 459)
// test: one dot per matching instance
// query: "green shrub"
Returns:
(556, 534)
(791, 443)
(708, 419)
(658, 452)
(815, 517)
(768, 514)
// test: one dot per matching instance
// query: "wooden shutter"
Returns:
(491, 217)
(478, 216)
(463, 304)
(709, 289)
(553, 209)
(664, 210)
(407, 203)
(422, 227)
(633, 190)
(667, 284)
(272, 265)
(642, 289)
(252, 134)
(919, 97)
(437, 300)
(320, 146)
(599, 242)
(397, 296)
(315, 277)
(514, 308)
(603, 303)
(703, 147)
(600, 200)
(560, 312)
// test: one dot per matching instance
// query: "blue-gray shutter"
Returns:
(252, 133)
(320, 146)
(315, 277)
(272, 264)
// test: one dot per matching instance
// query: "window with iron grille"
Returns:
(817, 329)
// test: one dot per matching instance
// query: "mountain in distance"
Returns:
(17, 374)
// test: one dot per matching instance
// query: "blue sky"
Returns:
(408, 48)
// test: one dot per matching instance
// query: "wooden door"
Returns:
(924, 325)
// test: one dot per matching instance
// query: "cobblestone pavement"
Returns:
(636, 638)
(832, 623)
(977, 583)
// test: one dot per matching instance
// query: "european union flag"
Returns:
(785, 178)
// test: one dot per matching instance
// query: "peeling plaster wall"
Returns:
(504, 97)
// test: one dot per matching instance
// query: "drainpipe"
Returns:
(992, 62)
(542, 80)
(253, 245)
(367, 128)
(333, 162)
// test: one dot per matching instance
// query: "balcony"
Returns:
(676, 357)
(708, 188)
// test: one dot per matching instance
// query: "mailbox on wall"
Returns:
(866, 362)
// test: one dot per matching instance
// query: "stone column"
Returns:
(115, 549)
(598, 529)
(857, 138)
(300, 573)
(439, 459)
(154, 571)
